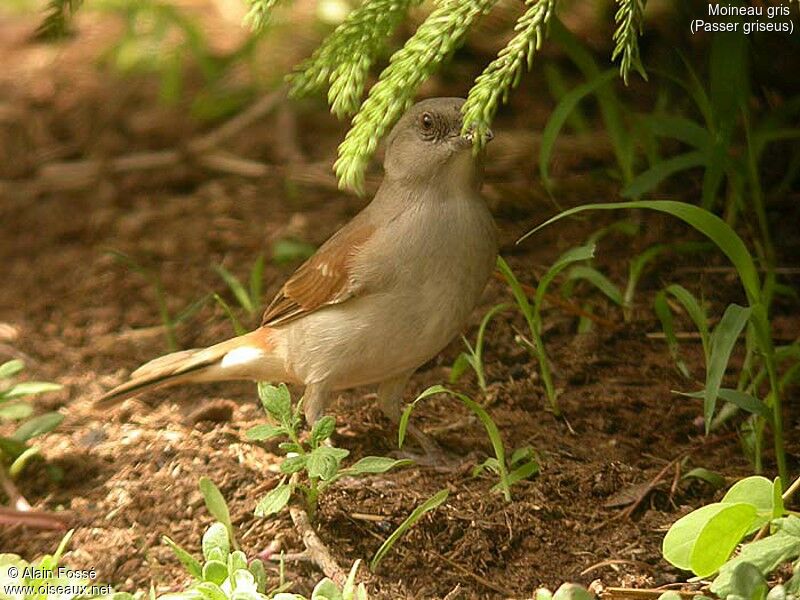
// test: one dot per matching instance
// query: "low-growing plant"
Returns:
(760, 349)
(319, 463)
(249, 297)
(532, 313)
(522, 464)
(473, 357)
(528, 467)
(168, 320)
(428, 505)
(704, 540)
(566, 591)
(225, 573)
(15, 451)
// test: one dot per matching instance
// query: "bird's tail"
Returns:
(250, 356)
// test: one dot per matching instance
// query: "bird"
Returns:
(382, 296)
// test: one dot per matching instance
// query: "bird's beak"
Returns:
(470, 136)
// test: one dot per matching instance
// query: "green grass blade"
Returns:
(236, 287)
(664, 315)
(650, 179)
(703, 221)
(679, 128)
(238, 328)
(431, 503)
(722, 342)
(257, 280)
(598, 280)
(559, 116)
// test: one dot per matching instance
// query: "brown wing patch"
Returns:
(322, 280)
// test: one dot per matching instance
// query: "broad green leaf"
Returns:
(323, 429)
(264, 432)
(215, 571)
(376, 464)
(650, 179)
(210, 591)
(321, 464)
(11, 368)
(29, 388)
(679, 542)
(37, 426)
(326, 590)
(293, 464)
(243, 581)
(276, 401)
(571, 591)
(274, 501)
(216, 537)
(431, 503)
(215, 502)
(722, 342)
(765, 554)
(191, 564)
(747, 582)
(720, 536)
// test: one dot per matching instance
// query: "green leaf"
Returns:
(215, 571)
(747, 582)
(323, 462)
(264, 432)
(215, 502)
(216, 537)
(705, 222)
(664, 314)
(16, 467)
(598, 280)
(326, 590)
(293, 464)
(274, 501)
(236, 287)
(722, 341)
(679, 542)
(290, 250)
(765, 554)
(376, 464)
(431, 503)
(210, 591)
(711, 477)
(257, 278)
(741, 399)
(29, 388)
(720, 536)
(571, 591)
(679, 128)
(695, 312)
(37, 426)
(15, 411)
(322, 430)
(191, 564)
(11, 368)
(259, 574)
(276, 401)
(758, 491)
(460, 366)
(559, 116)
(650, 179)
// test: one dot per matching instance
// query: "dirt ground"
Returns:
(79, 317)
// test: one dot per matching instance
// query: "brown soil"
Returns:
(130, 474)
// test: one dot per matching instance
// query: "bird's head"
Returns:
(426, 146)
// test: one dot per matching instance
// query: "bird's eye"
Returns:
(427, 121)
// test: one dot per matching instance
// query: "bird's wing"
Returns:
(324, 279)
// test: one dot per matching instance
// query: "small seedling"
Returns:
(473, 357)
(430, 504)
(499, 464)
(14, 449)
(314, 457)
(168, 320)
(532, 313)
(227, 574)
(755, 317)
(523, 464)
(704, 540)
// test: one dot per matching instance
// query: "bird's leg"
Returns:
(390, 399)
(315, 400)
